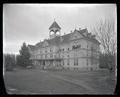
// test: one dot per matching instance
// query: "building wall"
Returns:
(69, 55)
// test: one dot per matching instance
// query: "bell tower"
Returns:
(54, 30)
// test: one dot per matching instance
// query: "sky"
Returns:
(30, 23)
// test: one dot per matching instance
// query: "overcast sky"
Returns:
(30, 22)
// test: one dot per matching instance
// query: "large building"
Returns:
(76, 50)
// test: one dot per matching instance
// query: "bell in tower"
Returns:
(54, 30)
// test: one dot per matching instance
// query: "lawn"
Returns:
(59, 82)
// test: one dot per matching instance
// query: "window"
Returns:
(76, 61)
(68, 62)
(50, 50)
(73, 47)
(63, 49)
(68, 49)
(51, 55)
(54, 56)
(79, 46)
(45, 56)
(87, 46)
(92, 48)
(59, 50)
(68, 56)
(87, 61)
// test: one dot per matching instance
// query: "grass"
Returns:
(36, 81)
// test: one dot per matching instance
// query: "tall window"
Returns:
(76, 61)
(68, 62)
(87, 61)
(63, 62)
(50, 50)
(46, 56)
(54, 56)
(51, 55)
(68, 56)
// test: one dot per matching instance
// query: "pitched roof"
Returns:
(54, 25)
(88, 35)
(65, 39)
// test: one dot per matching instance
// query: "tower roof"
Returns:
(54, 25)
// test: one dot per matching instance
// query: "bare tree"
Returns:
(107, 36)
(105, 33)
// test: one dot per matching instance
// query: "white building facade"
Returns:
(76, 50)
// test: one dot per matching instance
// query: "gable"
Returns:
(76, 35)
